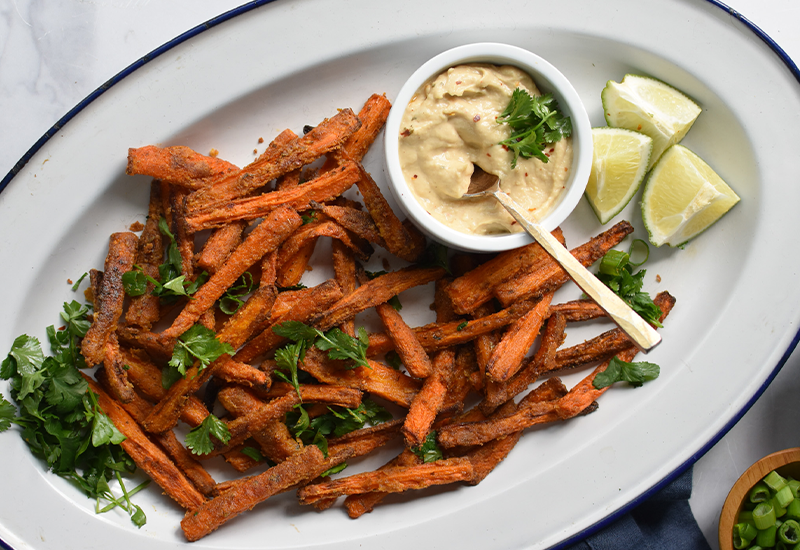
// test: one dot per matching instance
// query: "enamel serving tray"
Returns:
(274, 65)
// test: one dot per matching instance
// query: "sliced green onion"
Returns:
(764, 515)
(789, 532)
(793, 510)
(766, 537)
(745, 531)
(780, 511)
(794, 485)
(746, 516)
(784, 496)
(759, 493)
(642, 248)
(775, 481)
(613, 262)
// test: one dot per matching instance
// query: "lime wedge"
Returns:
(683, 197)
(649, 106)
(619, 163)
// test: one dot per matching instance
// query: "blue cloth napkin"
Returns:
(663, 522)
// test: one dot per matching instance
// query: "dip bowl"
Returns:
(786, 463)
(549, 80)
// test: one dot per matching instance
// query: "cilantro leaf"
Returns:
(232, 300)
(535, 122)
(335, 470)
(7, 414)
(429, 451)
(134, 282)
(104, 431)
(286, 358)
(616, 272)
(253, 453)
(198, 343)
(198, 440)
(635, 374)
(341, 345)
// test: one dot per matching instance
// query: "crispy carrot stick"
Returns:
(436, 336)
(357, 221)
(411, 352)
(146, 454)
(373, 116)
(183, 238)
(498, 393)
(344, 269)
(243, 374)
(266, 237)
(325, 137)
(176, 165)
(404, 241)
(108, 304)
(292, 267)
(377, 291)
(144, 310)
(310, 302)
(391, 480)
(429, 400)
(578, 310)
(220, 245)
(114, 368)
(378, 380)
(477, 286)
(327, 394)
(325, 187)
(359, 504)
(547, 275)
(243, 495)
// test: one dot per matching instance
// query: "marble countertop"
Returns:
(53, 54)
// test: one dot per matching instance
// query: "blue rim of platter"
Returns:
(782, 55)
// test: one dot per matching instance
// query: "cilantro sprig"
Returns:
(198, 343)
(59, 416)
(535, 122)
(338, 344)
(198, 440)
(616, 272)
(618, 370)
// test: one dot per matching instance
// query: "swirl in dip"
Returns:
(449, 125)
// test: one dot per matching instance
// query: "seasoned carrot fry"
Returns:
(114, 368)
(391, 480)
(310, 232)
(498, 393)
(325, 137)
(352, 219)
(429, 400)
(266, 237)
(342, 396)
(144, 310)
(378, 380)
(344, 269)
(234, 372)
(400, 239)
(373, 116)
(108, 304)
(289, 180)
(477, 286)
(327, 186)
(377, 291)
(239, 461)
(578, 310)
(146, 340)
(292, 267)
(411, 352)
(183, 237)
(176, 165)
(146, 454)
(220, 245)
(507, 356)
(436, 336)
(547, 275)
(310, 302)
(359, 504)
(243, 495)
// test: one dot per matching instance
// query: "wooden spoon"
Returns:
(786, 462)
(483, 184)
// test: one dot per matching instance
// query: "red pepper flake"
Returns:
(458, 82)
(62, 328)
(476, 118)
(405, 133)
(505, 147)
(565, 169)
(547, 155)
(513, 222)
(552, 149)
(488, 155)
(526, 174)
(639, 127)
(415, 176)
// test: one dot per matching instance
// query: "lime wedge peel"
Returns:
(619, 164)
(683, 197)
(649, 106)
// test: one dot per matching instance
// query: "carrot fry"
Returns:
(498, 393)
(325, 137)
(312, 231)
(220, 245)
(436, 336)
(325, 187)
(428, 401)
(310, 302)
(401, 240)
(342, 396)
(359, 504)
(476, 287)
(239, 461)
(146, 340)
(344, 269)
(114, 368)
(266, 237)
(234, 372)
(176, 165)
(414, 357)
(146, 454)
(373, 116)
(547, 275)
(144, 310)
(292, 267)
(245, 494)
(183, 237)
(377, 291)
(108, 304)
(507, 356)
(578, 310)
(378, 380)
(357, 221)
(391, 480)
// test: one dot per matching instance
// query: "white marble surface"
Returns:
(53, 54)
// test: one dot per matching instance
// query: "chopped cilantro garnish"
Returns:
(429, 451)
(198, 440)
(198, 343)
(338, 344)
(232, 300)
(635, 374)
(535, 122)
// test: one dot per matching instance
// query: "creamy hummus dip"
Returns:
(450, 125)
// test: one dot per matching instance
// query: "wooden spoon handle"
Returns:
(637, 329)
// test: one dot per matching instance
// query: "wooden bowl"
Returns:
(786, 462)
